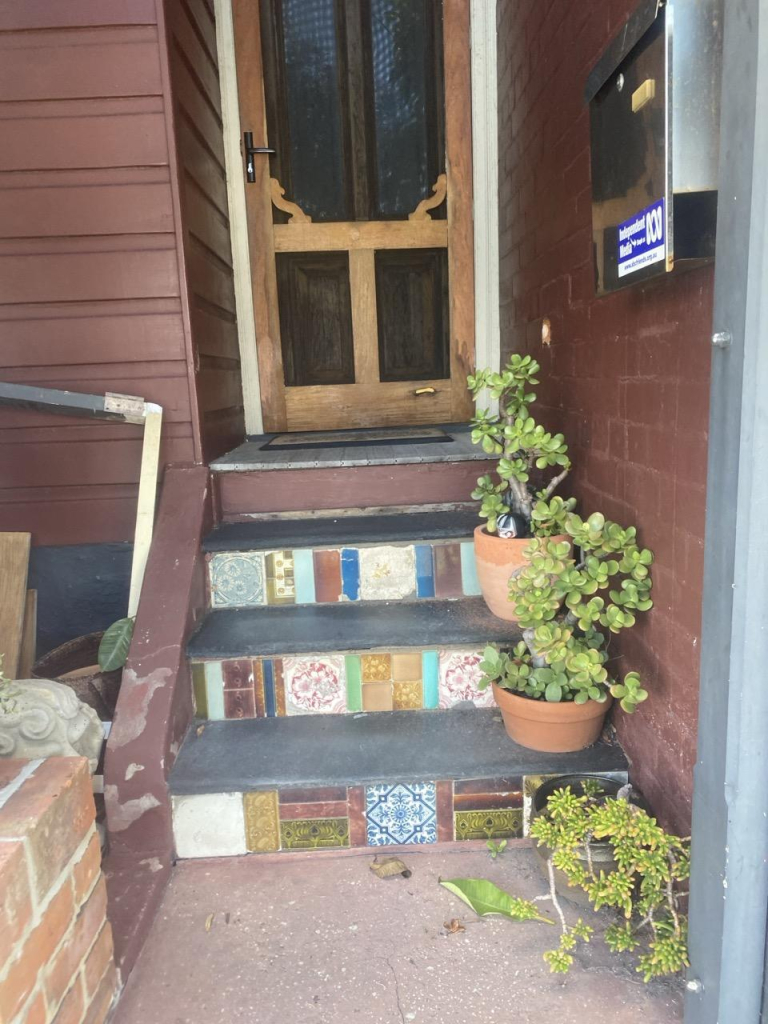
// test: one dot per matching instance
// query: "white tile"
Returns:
(209, 825)
(387, 573)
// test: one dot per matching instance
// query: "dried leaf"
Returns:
(200, 730)
(209, 922)
(453, 926)
(389, 867)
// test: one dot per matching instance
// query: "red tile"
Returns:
(239, 704)
(310, 795)
(444, 812)
(448, 570)
(498, 785)
(327, 576)
(239, 675)
(487, 801)
(293, 812)
(357, 824)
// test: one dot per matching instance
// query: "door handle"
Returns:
(250, 152)
(425, 391)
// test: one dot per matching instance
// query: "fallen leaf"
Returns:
(389, 867)
(200, 730)
(453, 926)
(209, 922)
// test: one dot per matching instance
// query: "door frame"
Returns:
(479, 231)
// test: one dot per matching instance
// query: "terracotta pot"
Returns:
(554, 728)
(497, 558)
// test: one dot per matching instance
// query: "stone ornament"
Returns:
(42, 718)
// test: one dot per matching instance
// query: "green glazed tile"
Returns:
(314, 833)
(198, 687)
(214, 691)
(430, 675)
(469, 581)
(493, 824)
(354, 683)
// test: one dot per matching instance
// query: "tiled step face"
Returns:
(325, 684)
(385, 814)
(386, 572)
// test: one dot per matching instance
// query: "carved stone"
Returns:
(41, 718)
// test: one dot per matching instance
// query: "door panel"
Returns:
(367, 198)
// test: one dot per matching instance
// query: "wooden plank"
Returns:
(303, 236)
(28, 652)
(365, 334)
(458, 151)
(37, 14)
(90, 520)
(14, 567)
(247, 28)
(335, 406)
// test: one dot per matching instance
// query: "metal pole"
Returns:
(729, 883)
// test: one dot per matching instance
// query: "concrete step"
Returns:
(360, 780)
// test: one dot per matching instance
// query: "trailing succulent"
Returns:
(523, 446)
(644, 886)
(567, 618)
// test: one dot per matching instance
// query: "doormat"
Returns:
(357, 438)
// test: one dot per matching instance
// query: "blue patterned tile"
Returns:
(425, 571)
(430, 674)
(350, 574)
(270, 703)
(470, 584)
(237, 578)
(304, 576)
(401, 814)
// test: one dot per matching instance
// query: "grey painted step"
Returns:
(397, 746)
(348, 626)
(313, 532)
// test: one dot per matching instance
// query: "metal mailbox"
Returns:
(654, 99)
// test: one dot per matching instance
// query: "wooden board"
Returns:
(304, 236)
(28, 653)
(14, 567)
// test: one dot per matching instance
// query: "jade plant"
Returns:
(524, 448)
(644, 886)
(569, 599)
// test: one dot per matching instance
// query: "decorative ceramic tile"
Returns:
(470, 584)
(448, 570)
(444, 811)
(277, 671)
(239, 674)
(425, 571)
(280, 586)
(314, 833)
(327, 576)
(268, 688)
(377, 696)
(354, 683)
(356, 811)
(304, 812)
(239, 704)
(237, 578)
(214, 691)
(430, 674)
(209, 825)
(407, 696)
(376, 668)
(312, 795)
(198, 687)
(406, 667)
(459, 677)
(304, 577)
(488, 794)
(489, 824)
(262, 826)
(401, 814)
(315, 685)
(350, 574)
(387, 573)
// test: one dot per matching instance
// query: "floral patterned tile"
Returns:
(377, 668)
(489, 824)
(237, 579)
(387, 573)
(314, 833)
(315, 685)
(459, 677)
(262, 825)
(399, 814)
(407, 696)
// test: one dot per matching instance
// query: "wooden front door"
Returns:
(360, 221)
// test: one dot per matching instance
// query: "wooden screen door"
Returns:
(360, 221)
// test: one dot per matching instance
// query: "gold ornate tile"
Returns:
(281, 587)
(407, 696)
(262, 825)
(376, 668)
(495, 824)
(314, 833)
(406, 667)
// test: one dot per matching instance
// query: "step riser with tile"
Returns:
(375, 572)
(340, 683)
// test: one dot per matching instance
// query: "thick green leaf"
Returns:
(113, 649)
(486, 898)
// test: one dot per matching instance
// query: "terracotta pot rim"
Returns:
(542, 710)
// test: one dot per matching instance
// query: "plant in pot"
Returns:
(643, 883)
(555, 687)
(515, 503)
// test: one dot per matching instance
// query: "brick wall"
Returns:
(55, 941)
(626, 377)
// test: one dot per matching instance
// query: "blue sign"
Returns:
(642, 240)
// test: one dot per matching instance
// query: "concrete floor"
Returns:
(320, 939)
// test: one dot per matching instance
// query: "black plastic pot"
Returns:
(96, 688)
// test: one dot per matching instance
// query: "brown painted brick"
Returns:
(99, 959)
(87, 926)
(15, 901)
(37, 1011)
(72, 1006)
(86, 870)
(102, 1000)
(54, 809)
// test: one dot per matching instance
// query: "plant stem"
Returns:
(553, 895)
